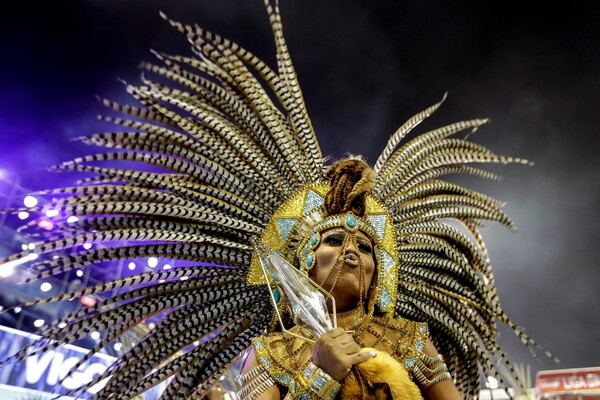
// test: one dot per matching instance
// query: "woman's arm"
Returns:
(444, 390)
(256, 387)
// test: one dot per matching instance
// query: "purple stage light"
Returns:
(88, 301)
(44, 224)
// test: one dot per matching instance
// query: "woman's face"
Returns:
(344, 266)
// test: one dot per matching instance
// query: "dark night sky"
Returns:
(532, 67)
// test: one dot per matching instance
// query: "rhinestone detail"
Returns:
(313, 200)
(378, 222)
(388, 262)
(285, 225)
(386, 300)
(411, 361)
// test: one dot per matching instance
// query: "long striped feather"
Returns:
(401, 133)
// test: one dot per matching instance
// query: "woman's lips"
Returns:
(351, 260)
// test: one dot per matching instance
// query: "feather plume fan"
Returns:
(233, 140)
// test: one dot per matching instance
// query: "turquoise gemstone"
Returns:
(314, 240)
(265, 361)
(351, 221)
(276, 296)
(310, 259)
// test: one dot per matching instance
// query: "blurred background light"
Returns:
(45, 287)
(22, 260)
(72, 219)
(51, 213)
(95, 335)
(23, 215)
(88, 301)
(152, 262)
(131, 266)
(491, 382)
(44, 224)
(6, 271)
(38, 323)
(30, 201)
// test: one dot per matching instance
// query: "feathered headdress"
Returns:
(241, 161)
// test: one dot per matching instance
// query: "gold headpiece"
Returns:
(292, 226)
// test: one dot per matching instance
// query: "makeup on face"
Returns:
(345, 265)
(337, 237)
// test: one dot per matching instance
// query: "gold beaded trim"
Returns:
(254, 383)
(431, 370)
(323, 385)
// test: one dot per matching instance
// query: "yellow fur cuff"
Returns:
(379, 373)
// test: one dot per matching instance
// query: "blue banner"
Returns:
(43, 372)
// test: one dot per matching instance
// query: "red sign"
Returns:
(569, 384)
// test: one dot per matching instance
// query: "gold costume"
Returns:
(284, 356)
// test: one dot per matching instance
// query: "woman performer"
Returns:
(345, 264)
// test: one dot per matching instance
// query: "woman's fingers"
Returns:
(340, 340)
(349, 347)
(335, 352)
(345, 340)
(362, 356)
(336, 332)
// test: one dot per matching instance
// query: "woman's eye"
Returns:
(365, 248)
(335, 240)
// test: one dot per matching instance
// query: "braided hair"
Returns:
(351, 179)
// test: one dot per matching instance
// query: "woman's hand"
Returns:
(335, 352)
